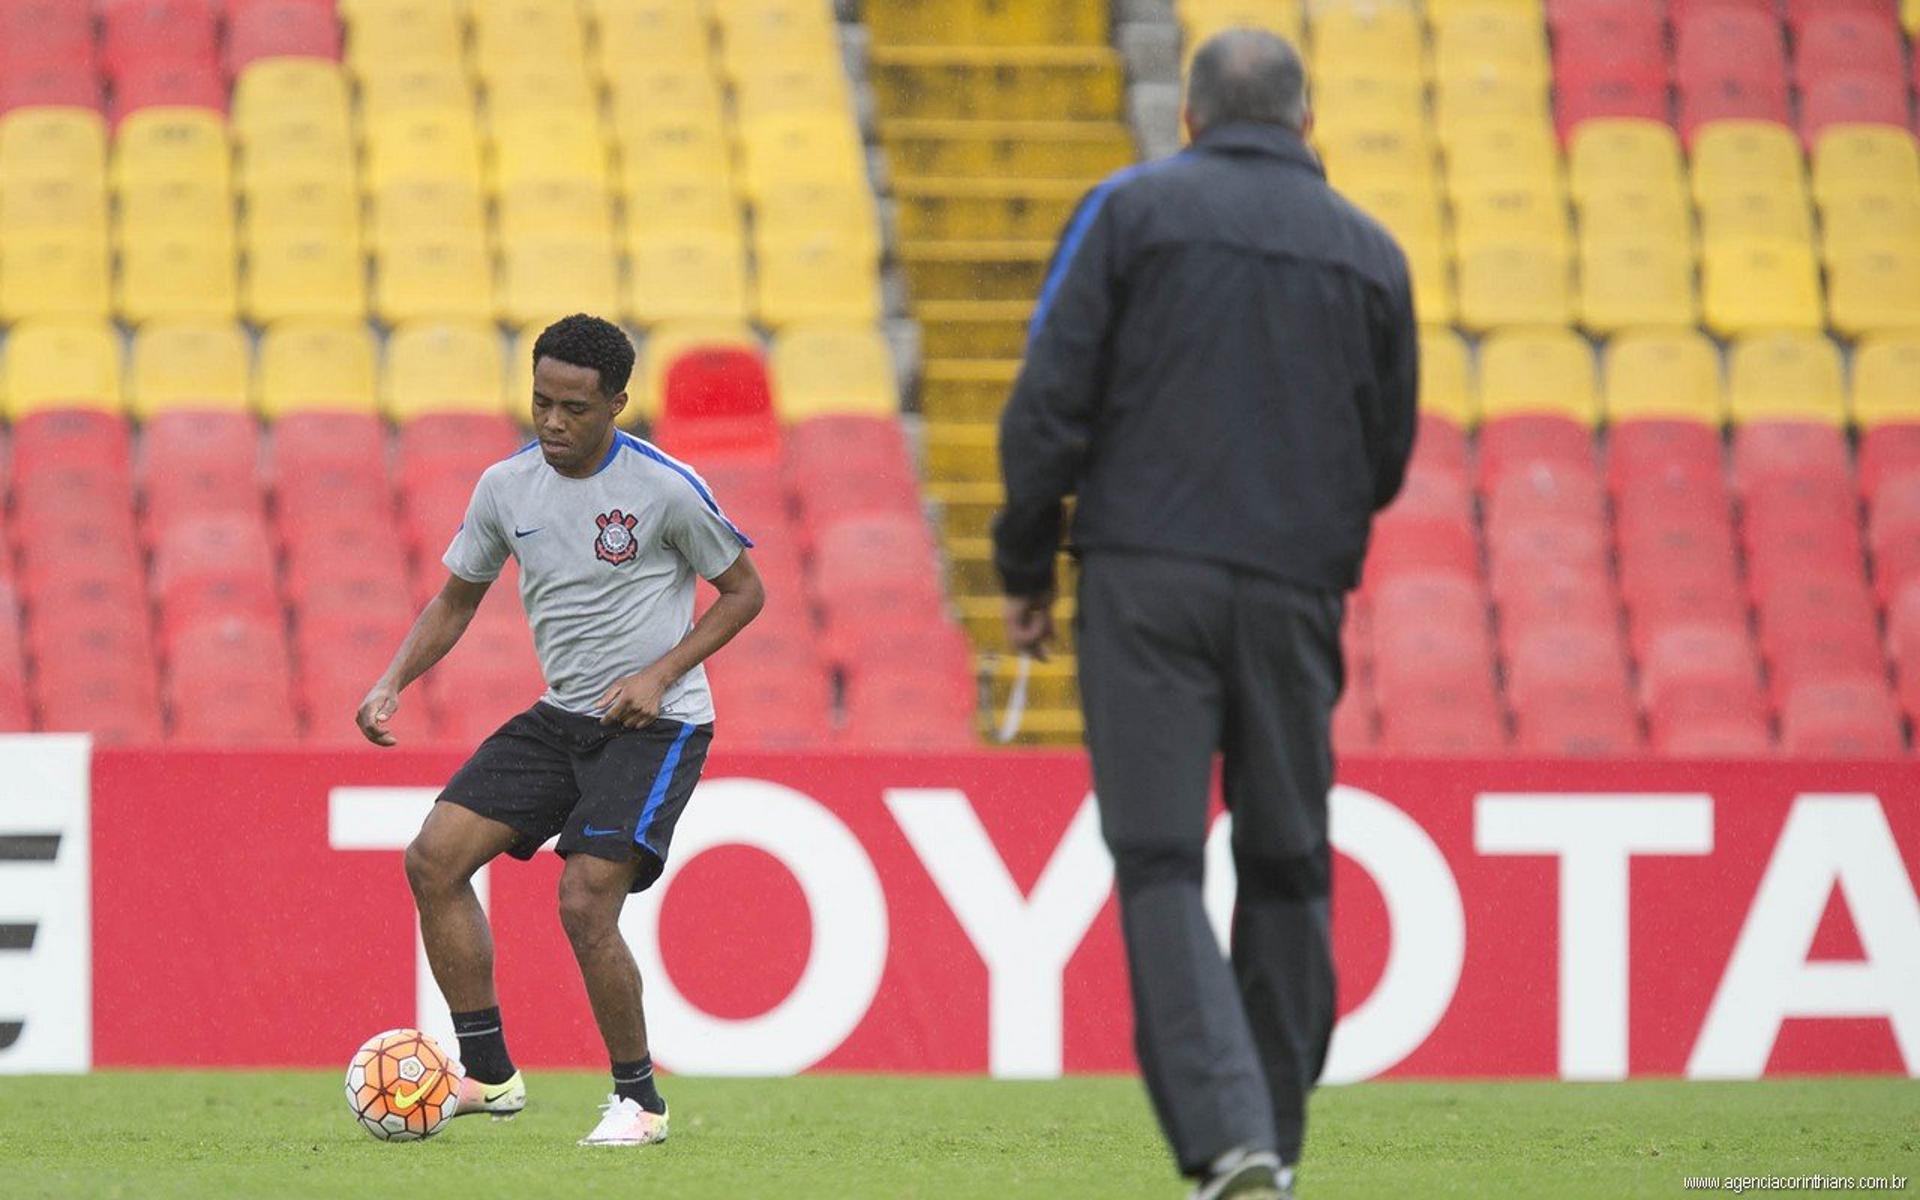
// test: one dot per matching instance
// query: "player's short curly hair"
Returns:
(590, 342)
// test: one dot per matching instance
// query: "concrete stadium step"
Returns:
(961, 452)
(1026, 83)
(1001, 23)
(975, 270)
(1083, 151)
(966, 507)
(983, 209)
(966, 390)
(981, 615)
(1053, 684)
(973, 329)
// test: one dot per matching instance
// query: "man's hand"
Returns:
(634, 701)
(375, 711)
(1030, 623)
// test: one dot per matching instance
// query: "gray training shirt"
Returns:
(606, 564)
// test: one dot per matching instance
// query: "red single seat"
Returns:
(1435, 492)
(926, 641)
(1847, 42)
(1420, 545)
(1423, 665)
(56, 83)
(370, 637)
(199, 464)
(114, 700)
(1822, 653)
(1700, 670)
(193, 601)
(1554, 597)
(1444, 727)
(1420, 598)
(431, 515)
(1852, 719)
(870, 564)
(716, 401)
(345, 548)
(113, 630)
(227, 647)
(1895, 506)
(1525, 548)
(772, 710)
(1769, 450)
(242, 711)
(1603, 39)
(1627, 92)
(1885, 452)
(1356, 721)
(203, 547)
(1799, 12)
(139, 33)
(1722, 42)
(1717, 736)
(437, 447)
(81, 584)
(306, 442)
(1731, 97)
(1666, 598)
(1642, 452)
(168, 83)
(1513, 443)
(56, 447)
(1545, 491)
(1851, 100)
(909, 707)
(280, 29)
(1579, 722)
(1592, 658)
(1438, 442)
(206, 489)
(840, 466)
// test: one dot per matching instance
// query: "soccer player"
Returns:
(609, 533)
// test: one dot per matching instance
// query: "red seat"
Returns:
(115, 700)
(431, 516)
(1847, 42)
(1731, 97)
(1525, 548)
(1680, 593)
(1579, 722)
(1438, 442)
(224, 648)
(213, 546)
(1356, 722)
(1554, 597)
(1422, 666)
(344, 549)
(1799, 12)
(842, 466)
(1420, 598)
(1420, 545)
(1602, 38)
(61, 83)
(873, 564)
(193, 601)
(139, 33)
(306, 442)
(114, 629)
(925, 640)
(1545, 491)
(1853, 719)
(200, 464)
(1887, 451)
(62, 449)
(169, 83)
(1851, 100)
(1433, 492)
(909, 707)
(1727, 42)
(1640, 452)
(280, 28)
(242, 711)
(1592, 658)
(1700, 669)
(1715, 736)
(439, 447)
(770, 710)
(716, 401)
(1443, 727)
(1511, 443)
(1769, 450)
(1627, 92)
(80, 584)
(41, 33)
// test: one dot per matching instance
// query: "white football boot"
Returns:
(503, 1101)
(624, 1123)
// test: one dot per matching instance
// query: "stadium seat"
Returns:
(1490, 212)
(687, 276)
(326, 462)
(152, 209)
(1735, 155)
(849, 465)
(661, 206)
(113, 698)
(547, 143)
(181, 275)
(273, 29)
(1786, 376)
(1886, 390)
(53, 204)
(1627, 92)
(1854, 158)
(63, 143)
(1516, 282)
(434, 278)
(1874, 290)
(308, 366)
(199, 547)
(1846, 41)
(544, 277)
(169, 84)
(1752, 286)
(1447, 386)
(1790, 450)
(814, 278)
(61, 364)
(322, 204)
(660, 144)
(200, 464)
(1868, 220)
(631, 32)
(1663, 375)
(875, 564)
(442, 367)
(663, 345)
(555, 205)
(1503, 152)
(427, 143)
(172, 143)
(1537, 371)
(407, 209)
(1717, 40)
(1845, 719)
(188, 364)
(390, 89)
(55, 274)
(279, 86)
(717, 402)
(1755, 214)
(1516, 442)
(311, 277)
(1842, 100)
(1643, 282)
(829, 369)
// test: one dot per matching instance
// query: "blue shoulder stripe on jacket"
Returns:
(649, 450)
(1076, 232)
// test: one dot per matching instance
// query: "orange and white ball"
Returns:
(401, 1086)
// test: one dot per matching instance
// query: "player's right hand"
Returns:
(375, 711)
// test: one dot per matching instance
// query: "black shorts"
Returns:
(608, 791)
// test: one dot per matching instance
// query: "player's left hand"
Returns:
(1029, 621)
(635, 700)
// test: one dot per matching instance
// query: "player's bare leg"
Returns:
(592, 892)
(452, 844)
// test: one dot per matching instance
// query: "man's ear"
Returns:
(617, 403)
(1187, 123)
(1306, 124)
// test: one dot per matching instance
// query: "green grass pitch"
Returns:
(143, 1135)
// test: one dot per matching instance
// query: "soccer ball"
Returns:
(401, 1086)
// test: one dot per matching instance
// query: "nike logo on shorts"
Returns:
(590, 831)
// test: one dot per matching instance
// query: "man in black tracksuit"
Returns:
(1222, 368)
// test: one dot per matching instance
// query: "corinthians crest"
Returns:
(616, 543)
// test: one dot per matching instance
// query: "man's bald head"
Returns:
(1246, 75)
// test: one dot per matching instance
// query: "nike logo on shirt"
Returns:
(520, 533)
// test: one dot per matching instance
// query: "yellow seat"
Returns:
(1749, 287)
(178, 274)
(1509, 38)
(1628, 209)
(671, 145)
(820, 370)
(272, 89)
(155, 207)
(528, 86)
(1886, 379)
(665, 85)
(665, 343)
(1866, 218)
(543, 277)
(316, 366)
(422, 143)
(1499, 212)
(1538, 371)
(54, 273)
(172, 143)
(297, 146)
(1202, 18)
(1730, 156)
(639, 31)
(61, 143)
(1786, 376)
(1755, 214)
(1636, 283)
(388, 90)
(328, 205)
(1499, 151)
(51, 204)
(846, 211)
(188, 363)
(1410, 211)
(1515, 282)
(1435, 299)
(410, 208)
(547, 144)
(305, 276)
(383, 32)
(1369, 35)
(1664, 374)
(687, 275)
(696, 202)
(1874, 290)
(770, 27)
(793, 87)
(511, 32)
(62, 364)
(429, 277)
(1355, 158)
(1487, 94)
(556, 204)
(1850, 158)
(1380, 98)
(1447, 386)
(814, 278)
(442, 366)
(788, 146)
(1611, 151)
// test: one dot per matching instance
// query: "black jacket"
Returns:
(1222, 364)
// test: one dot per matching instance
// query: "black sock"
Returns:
(483, 1047)
(634, 1081)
